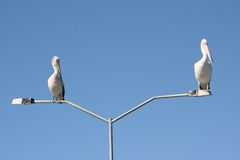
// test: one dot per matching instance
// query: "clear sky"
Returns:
(115, 55)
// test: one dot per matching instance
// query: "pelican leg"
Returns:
(54, 99)
(199, 86)
(58, 100)
(208, 86)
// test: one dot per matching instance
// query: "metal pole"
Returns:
(110, 121)
(147, 101)
(110, 131)
(33, 101)
(86, 111)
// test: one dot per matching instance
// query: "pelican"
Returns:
(55, 82)
(203, 68)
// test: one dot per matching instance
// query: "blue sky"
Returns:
(114, 55)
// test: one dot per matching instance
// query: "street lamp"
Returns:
(111, 121)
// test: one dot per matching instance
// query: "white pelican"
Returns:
(55, 82)
(203, 68)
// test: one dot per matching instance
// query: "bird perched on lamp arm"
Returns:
(203, 68)
(55, 81)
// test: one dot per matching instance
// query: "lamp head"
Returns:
(23, 101)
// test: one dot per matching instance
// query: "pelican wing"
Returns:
(62, 84)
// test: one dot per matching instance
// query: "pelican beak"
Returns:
(210, 56)
(208, 53)
(58, 67)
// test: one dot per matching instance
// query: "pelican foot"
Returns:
(204, 93)
(57, 101)
(54, 101)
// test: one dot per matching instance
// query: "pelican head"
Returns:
(204, 41)
(56, 64)
(205, 50)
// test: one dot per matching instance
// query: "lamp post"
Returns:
(111, 121)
